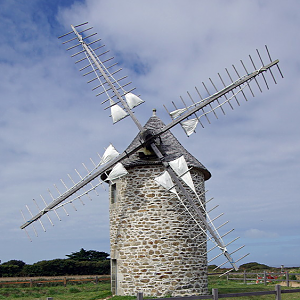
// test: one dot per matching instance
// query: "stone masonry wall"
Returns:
(156, 246)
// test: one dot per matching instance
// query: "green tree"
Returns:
(15, 262)
(88, 255)
(78, 263)
(62, 267)
(11, 268)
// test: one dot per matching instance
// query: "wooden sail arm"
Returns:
(217, 95)
(80, 185)
(90, 53)
(208, 227)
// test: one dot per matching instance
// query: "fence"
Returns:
(215, 295)
(266, 277)
(64, 280)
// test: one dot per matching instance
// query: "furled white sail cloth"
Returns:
(180, 167)
(133, 100)
(165, 181)
(176, 113)
(189, 126)
(109, 154)
(117, 112)
(117, 172)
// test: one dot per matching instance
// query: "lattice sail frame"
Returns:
(198, 212)
(228, 94)
(121, 102)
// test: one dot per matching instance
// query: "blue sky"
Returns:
(51, 121)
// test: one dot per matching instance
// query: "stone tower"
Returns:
(155, 247)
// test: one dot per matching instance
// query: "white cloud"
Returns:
(50, 120)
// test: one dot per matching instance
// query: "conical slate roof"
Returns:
(169, 146)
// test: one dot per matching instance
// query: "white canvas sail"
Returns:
(133, 100)
(189, 126)
(176, 113)
(117, 172)
(109, 154)
(165, 181)
(117, 112)
(180, 167)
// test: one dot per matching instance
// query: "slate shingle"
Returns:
(170, 147)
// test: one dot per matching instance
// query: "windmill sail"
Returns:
(189, 126)
(117, 172)
(225, 95)
(113, 88)
(133, 100)
(117, 112)
(205, 223)
(109, 154)
(180, 167)
(107, 162)
(165, 181)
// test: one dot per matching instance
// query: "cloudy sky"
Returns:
(51, 121)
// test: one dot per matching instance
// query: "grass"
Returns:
(225, 287)
(84, 291)
(92, 291)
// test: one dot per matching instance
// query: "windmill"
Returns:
(159, 223)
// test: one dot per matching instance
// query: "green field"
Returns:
(92, 291)
(225, 287)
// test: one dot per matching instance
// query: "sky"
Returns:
(51, 121)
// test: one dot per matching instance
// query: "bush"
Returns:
(79, 263)
(62, 267)
(252, 266)
(293, 277)
(11, 268)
